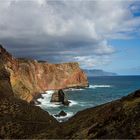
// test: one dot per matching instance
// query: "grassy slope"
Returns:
(118, 119)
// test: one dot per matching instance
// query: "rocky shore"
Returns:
(119, 119)
(19, 119)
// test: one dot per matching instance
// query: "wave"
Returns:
(45, 101)
(72, 103)
(74, 89)
(90, 86)
(99, 86)
(50, 92)
(46, 104)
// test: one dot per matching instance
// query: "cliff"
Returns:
(5, 86)
(29, 78)
(19, 119)
(118, 119)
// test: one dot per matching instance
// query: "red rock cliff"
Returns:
(29, 77)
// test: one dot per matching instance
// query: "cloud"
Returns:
(62, 31)
(92, 61)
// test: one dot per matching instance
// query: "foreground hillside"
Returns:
(117, 119)
(18, 119)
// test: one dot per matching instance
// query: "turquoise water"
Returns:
(101, 90)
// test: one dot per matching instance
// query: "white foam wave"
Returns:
(74, 89)
(72, 103)
(50, 92)
(45, 101)
(99, 86)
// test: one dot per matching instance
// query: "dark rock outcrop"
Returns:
(59, 96)
(61, 113)
(29, 78)
(5, 86)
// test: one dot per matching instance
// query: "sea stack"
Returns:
(59, 96)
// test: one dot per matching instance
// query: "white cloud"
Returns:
(92, 61)
(68, 28)
(104, 48)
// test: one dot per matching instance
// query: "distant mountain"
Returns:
(98, 72)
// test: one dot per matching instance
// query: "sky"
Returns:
(99, 34)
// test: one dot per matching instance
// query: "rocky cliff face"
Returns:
(5, 86)
(29, 77)
(118, 119)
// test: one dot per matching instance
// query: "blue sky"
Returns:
(128, 56)
(99, 34)
(126, 60)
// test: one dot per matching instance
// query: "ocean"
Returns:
(101, 90)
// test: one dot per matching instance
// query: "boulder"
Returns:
(59, 96)
(61, 113)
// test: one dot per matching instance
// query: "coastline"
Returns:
(89, 123)
(100, 91)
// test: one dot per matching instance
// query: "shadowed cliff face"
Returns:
(5, 86)
(29, 77)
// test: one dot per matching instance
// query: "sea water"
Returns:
(100, 91)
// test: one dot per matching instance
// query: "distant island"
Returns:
(98, 72)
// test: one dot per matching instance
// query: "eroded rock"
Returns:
(59, 96)
(61, 113)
